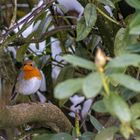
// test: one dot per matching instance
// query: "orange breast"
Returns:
(32, 73)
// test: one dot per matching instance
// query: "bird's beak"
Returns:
(27, 68)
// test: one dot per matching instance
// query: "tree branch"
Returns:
(47, 114)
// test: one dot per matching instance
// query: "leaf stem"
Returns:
(106, 16)
(105, 84)
(77, 126)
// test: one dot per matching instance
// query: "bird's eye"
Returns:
(28, 64)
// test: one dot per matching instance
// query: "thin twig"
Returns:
(34, 13)
(31, 18)
(106, 16)
(14, 14)
(52, 32)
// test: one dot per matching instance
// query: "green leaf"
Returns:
(62, 136)
(136, 124)
(82, 30)
(107, 2)
(126, 81)
(81, 51)
(87, 136)
(123, 40)
(96, 123)
(68, 88)
(116, 1)
(66, 73)
(106, 134)
(115, 70)
(74, 133)
(99, 106)
(21, 52)
(124, 61)
(118, 107)
(120, 43)
(78, 61)
(92, 85)
(134, 3)
(134, 26)
(126, 130)
(135, 30)
(90, 15)
(135, 110)
(134, 48)
(126, 93)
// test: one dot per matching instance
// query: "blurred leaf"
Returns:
(74, 132)
(136, 124)
(99, 106)
(126, 81)
(135, 110)
(134, 3)
(78, 61)
(82, 52)
(124, 61)
(107, 2)
(123, 40)
(134, 26)
(66, 73)
(90, 15)
(115, 70)
(82, 30)
(106, 134)
(96, 123)
(87, 136)
(126, 94)
(118, 107)
(21, 52)
(62, 136)
(92, 85)
(68, 88)
(134, 48)
(115, 1)
(126, 130)
(120, 42)
(59, 136)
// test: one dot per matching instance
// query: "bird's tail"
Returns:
(42, 98)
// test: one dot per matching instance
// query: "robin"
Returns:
(29, 80)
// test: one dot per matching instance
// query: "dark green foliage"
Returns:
(113, 87)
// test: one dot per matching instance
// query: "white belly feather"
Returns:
(27, 87)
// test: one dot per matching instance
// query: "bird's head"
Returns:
(30, 70)
(28, 65)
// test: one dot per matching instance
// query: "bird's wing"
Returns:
(20, 76)
(14, 92)
(43, 83)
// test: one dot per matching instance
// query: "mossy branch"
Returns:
(47, 115)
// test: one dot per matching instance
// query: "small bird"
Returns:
(29, 80)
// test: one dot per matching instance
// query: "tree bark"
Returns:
(47, 115)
